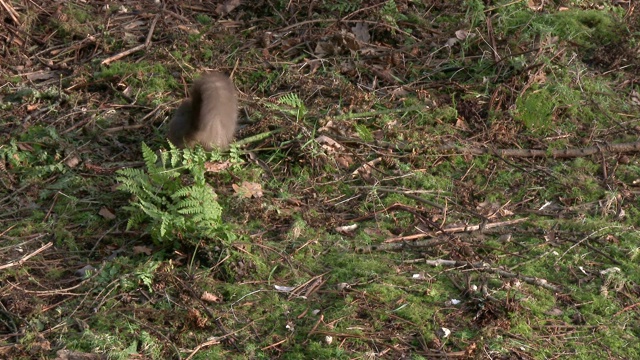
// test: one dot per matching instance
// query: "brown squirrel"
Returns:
(209, 116)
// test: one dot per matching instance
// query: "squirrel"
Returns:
(209, 117)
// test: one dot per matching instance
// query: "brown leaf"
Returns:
(361, 31)
(142, 250)
(344, 161)
(333, 147)
(399, 92)
(314, 65)
(188, 30)
(72, 162)
(227, 7)
(248, 189)
(538, 78)
(216, 167)
(40, 344)
(461, 124)
(554, 312)
(384, 73)
(462, 34)
(41, 75)
(325, 48)
(366, 169)
(327, 143)
(76, 355)
(197, 318)
(106, 213)
(209, 297)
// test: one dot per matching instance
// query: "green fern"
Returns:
(168, 208)
(390, 13)
(290, 104)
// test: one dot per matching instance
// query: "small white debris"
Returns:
(545, 205)
(443, 332)
(343, 286)
(610, 270)
(283, 288)
(328, 339)
(347, 228)
(452, 302)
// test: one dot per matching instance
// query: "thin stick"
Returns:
(12, 12)
(456, 230)
(27, 257)
(146, 44)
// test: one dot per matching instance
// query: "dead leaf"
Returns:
(535, 7)
(314, 65)
(197, 318)
(462, 34)
(328, 144)
(361, 32)
(538, 78)
(134, 24)
(366, 169)
(635, 98)
(248, 189)
(451, 42)
(331, 127)
(384, 73)
(227, 7)
(209, 297)
(554, 312)
(40, 343)
(106, 213)
(41, 75)
(216, 167)
(142, 250)
(72, 161)
(399, 92)
(333, 147)
(344, 161)
(461, 124)
(324, 49)
(76, 355)
(188, 30)
(346, 40)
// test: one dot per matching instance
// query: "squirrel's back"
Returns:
(209, 117)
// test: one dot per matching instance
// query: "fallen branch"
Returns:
(555, 153)
(146, 44)
(456, 229)
(481, 266)
(27, 257)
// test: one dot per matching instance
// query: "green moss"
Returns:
(535, 110)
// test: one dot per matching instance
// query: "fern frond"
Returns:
(292, 100)
(164, 203)
(149, 156)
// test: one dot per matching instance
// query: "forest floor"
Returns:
(410, 180)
